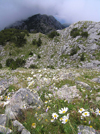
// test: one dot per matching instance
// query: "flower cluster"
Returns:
(63, 119)
(85, 113)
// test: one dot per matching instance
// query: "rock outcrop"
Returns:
(22, 99)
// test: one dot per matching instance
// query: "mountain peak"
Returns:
(38, 23)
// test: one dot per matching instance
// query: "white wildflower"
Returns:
(85, 114)
(63, 110)
(81, 110)
(55, 116)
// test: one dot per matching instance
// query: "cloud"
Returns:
(68, 10)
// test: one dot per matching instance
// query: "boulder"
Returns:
(86, 130)
(22, 99)
(67, 93)
(83, 84)
(3, 119)
(20, 128)
(97, 80)
(5, 130)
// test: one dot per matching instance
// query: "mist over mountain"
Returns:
(38, 23)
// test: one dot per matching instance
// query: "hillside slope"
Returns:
(77, 46)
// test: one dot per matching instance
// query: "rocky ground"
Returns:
(19, 87)
(68, 67)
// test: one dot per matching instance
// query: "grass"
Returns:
(38, 120)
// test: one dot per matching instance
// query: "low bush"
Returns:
(51, 67)
(13, 35)
(73, 51)
(37, 42)
(33, 66)
(75, 32)
(9, 61)
(53, 34)
(15, 64)
(20, 62)
(82, 57)
(39, 56)
(31, 53)
(0, 65)
(34, 41)
(84, 34)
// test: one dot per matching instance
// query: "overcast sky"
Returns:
(66, 11)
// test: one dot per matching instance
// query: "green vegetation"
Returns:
(84, 34)
(33, 66)
(74, 51)
(51, 67)
(78, 32)
(75, 32)
(37, 42)
(39, 56)
(0, 65)
(82, 57)
(53, 34)
(15, 64)
(13, 35)
(30, 53)
(64, 56)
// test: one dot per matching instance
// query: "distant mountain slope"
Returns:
(38, 23)
(76, 46)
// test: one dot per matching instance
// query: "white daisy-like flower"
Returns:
(81, 110)
(29, 78)
(1, 97)
(32, 72)
(65, 119)
(30, 83)
(97, 111)
(61, 119)
(55, 116)
(82, 117)
(63, 110)
(24, 106)
(85, 114)
(50, 95)
(52, 120)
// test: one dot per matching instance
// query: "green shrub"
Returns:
(0, 65)
(53, 34)
(34, 42)
(20, 62)
(51, 67)
(75, 32)
(15, 64)
(84, 34)
(39, 56)
(73, 51)
(13, 35)
(82, 57)
(33, 66)
(9, 62)
(37, 42)
(31, 53)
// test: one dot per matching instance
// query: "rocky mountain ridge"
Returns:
(38, 23)
(61, 51)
